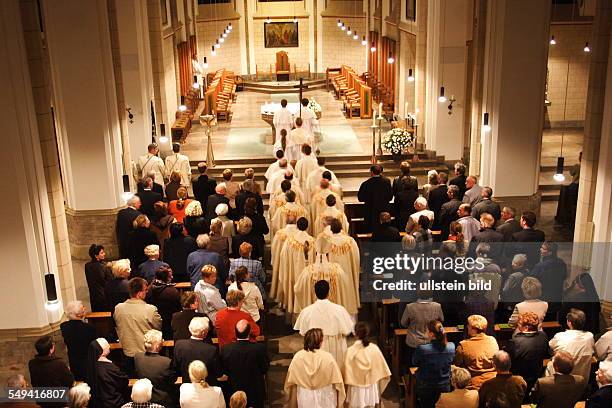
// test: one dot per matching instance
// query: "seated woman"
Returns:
(77, 336)
(314, 378)
(198, 393)
(141, 395)
(109, 385)
(532, 290)
(253, 301)
(434, 362)
(366, 372)
(79, 396)
(460, 397)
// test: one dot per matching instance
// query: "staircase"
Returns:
(550, 188)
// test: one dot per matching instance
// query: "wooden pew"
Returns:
(183, 286)
(102, 321)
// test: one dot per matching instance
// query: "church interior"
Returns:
(244, 161)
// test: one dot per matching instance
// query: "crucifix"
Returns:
(301, 87)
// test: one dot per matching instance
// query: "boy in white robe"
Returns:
(283, 119)
(280, 154)
(323, 219)
(179, 163)
(333, 319)
(304, 166)
(315, 176)
(295, 140)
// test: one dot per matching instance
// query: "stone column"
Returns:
(420, 67)
(27, 250)
(514, 82)
(446, 66)
(87, 122)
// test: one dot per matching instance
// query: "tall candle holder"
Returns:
(379, 148)
(373, 159)
(208, 121)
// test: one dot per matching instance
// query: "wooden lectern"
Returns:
(282, 66)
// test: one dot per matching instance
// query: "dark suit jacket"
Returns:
(158, 188)
(448, 214)
(508, 228)
(241, 199)
(139, 239)
(97, 275)
(551, 272)
(123, 228)
(176, 251)
(437, 198)
(528, 242)
(376, 194)
(180, 323)
(211, 205)
(459, 181)
(148, 198)
(159, 370)
(487, 206)
(167, 299)
(77, 336)
(558, 391)
(245, 364)
(50, 371)
(600, 398)
(386, 233)
(527, 351)
(203, 187)
(186, 351)
(492, 237)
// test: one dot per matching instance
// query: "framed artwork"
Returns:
(280, 35)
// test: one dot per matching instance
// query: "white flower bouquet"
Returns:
(315, 107)
(397, 140)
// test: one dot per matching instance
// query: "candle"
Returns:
(380, 109)
(406, 109)
(374, 118)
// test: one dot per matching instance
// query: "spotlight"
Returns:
(51, 289)
(343, 27)
(221, 39)
(268, 20)
(373, 47)
(349, 31)
(390, 60)
(410, 75)
(485, 122)
(355, 36)
(442, 98)
(224, 35)
(586, 47)
(363, 41)
(230, 27)
(559, 177)
(294, 19)
(127, 194)
(213, 52)
(339, 23)
(552, 40)
(182, 108)
(217, 45)
(205, 64)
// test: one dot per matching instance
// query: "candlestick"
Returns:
(380, 109)
(406, 109)
(374, 118)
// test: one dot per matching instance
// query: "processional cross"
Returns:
(301, 87)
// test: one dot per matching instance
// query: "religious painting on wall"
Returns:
(280, 35)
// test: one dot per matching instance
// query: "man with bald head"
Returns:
(513, 387)
(220, 197)
(473, 193)
(246, 364)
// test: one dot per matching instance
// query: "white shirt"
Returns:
(324, 397)
(196, 396)
(333, 319)
(273, 168)
(283, 119)
(470, 227)
(151, 163)
(253, 301)
(179, 162)
(210, 300)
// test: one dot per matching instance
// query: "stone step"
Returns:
(550, 195)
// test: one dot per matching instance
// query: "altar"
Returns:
(268, 110)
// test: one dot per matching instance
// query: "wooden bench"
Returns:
(183, 286)
(102, 321)
(181, 126)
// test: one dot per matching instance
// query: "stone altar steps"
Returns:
(280, 88)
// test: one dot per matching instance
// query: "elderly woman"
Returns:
(232, 187)
(532, 290)
(161, 223)
(173, 186)
(314, 376)
(77, 336)
(190, 301)
(432, 182)
(198, 393)
(116, 290)
(97, 274)
(177, 207)
(139, 239)
(147, 269)
(141, 395)
(195, 222)
(460, 397)
(79, 396)
(108, 383)
(420, 205)
(228, 229)
(157, 368)
(258, 275)
(163, 295)
(219, 243)
(245, 234)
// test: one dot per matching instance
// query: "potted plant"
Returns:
(396, 141)
(315, 107)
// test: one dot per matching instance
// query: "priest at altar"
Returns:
(277, 245)
(333, 319)
(323, 218)
(290, 208)
(296, 254)
(340, 248)
(283, 119)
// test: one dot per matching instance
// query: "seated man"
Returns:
(561, 390)
(157, 368)
(48, 370)
(504, 383)
(476, 353)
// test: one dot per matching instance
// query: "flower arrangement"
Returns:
(397, 140)
(315, 107)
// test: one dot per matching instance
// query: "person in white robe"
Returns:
(278, 198)
(318, 201)
(323, 218)
(315, 176)
(341, 248)
(277, 245)
(277, 176)
(276, 165)
(365, 372)
(180, 163)
(305, 166)
(296, 254)
(151, 163)
(309, 120)
(290, 208)
(295, 140)
(333, 319)
(283, 119)
(314, 379)
(341, 289)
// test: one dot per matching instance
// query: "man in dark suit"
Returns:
(203, 186)
(459, 179)
(247, 190)
(148, 198)
(156, 368)
(77, 335)
(551, 271)
(486, 205)
(216, 199)
(375, 193)
(509, 225)
(528, 240)
(47, 370)
(246, 365)
(448, 211)
(489, 235)
(195, 348)
(437, 198)
(124, 225)
(561, 390)
(156, 187)
(386, 232)
(603, 396)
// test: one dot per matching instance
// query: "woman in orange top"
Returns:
(177, 207)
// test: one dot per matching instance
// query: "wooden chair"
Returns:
(283, 69)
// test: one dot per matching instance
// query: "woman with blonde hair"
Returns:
(532, 291)
(116, 291)
(198, 393)
(432, 182)
(177, 207)
(195, 222)
(238, 400)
